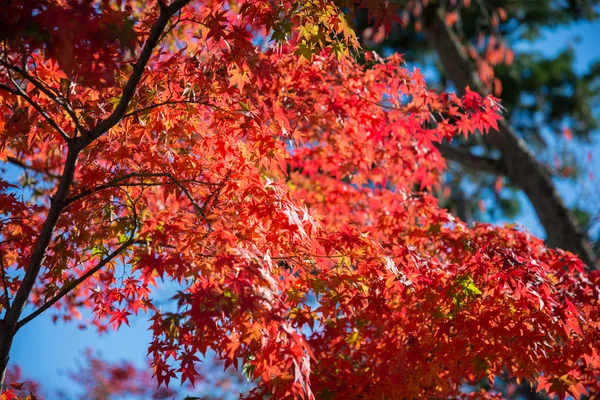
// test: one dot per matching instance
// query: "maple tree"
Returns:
(239, 150)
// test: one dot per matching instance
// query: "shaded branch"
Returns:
(8, 89)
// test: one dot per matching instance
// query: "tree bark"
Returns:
(517, 162)
(6, 338)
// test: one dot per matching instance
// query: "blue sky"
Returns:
(45, 350)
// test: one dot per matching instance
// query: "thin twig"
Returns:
(199, 209)
(115, 183)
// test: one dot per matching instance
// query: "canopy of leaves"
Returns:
(285, 187)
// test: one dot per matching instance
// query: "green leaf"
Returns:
(469, 286)
(98, 251)
(248, 370)
(122, 238)
(305, 51)
(472, 289)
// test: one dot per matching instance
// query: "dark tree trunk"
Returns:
(6, 337)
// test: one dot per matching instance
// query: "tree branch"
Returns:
(39, 251)
(471, 161)
(520, 164)
(21, 164)
(72, 285)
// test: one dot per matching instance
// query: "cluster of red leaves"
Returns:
(285, 191)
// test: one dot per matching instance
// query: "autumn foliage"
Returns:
(254, 155)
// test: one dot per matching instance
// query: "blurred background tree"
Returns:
(552, 109)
